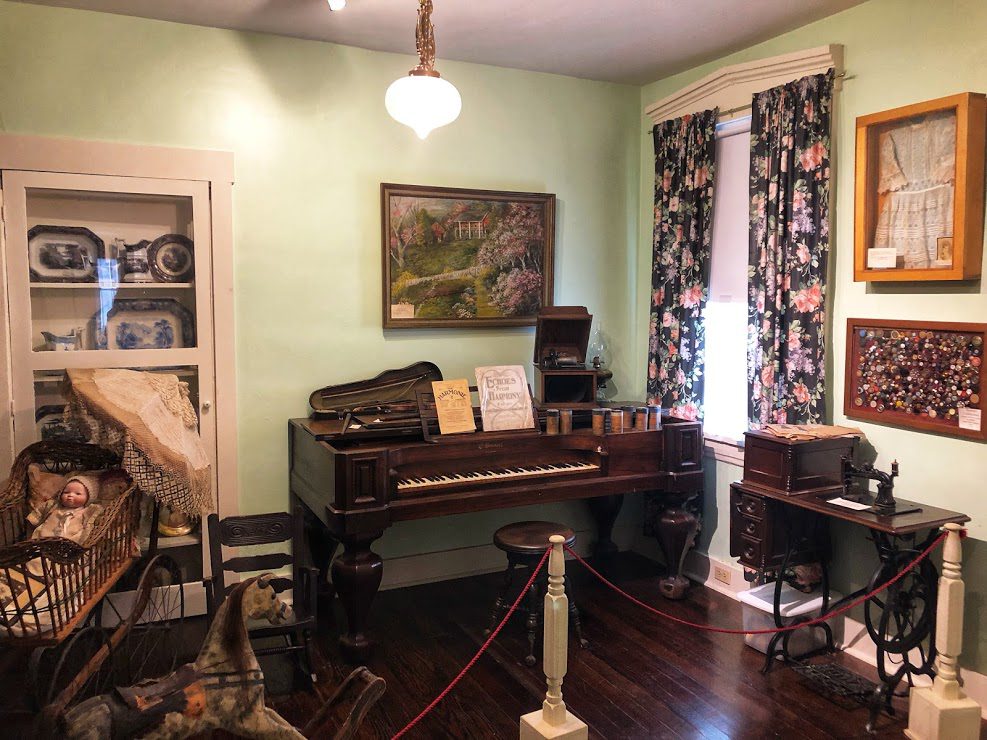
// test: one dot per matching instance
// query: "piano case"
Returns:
(392, 388)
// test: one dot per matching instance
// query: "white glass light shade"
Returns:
(424, 103)
(337, 4)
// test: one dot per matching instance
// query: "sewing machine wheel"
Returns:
(899, 619)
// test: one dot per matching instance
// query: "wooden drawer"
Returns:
(751, 527)
(751, 505)
(750, 551)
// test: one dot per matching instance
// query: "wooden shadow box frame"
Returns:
(968, 202)
(927, 332)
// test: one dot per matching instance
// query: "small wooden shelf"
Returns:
(111, 286)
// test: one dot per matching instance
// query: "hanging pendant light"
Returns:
(423, 100)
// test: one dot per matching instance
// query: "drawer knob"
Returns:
(749, 552)
(751, 527)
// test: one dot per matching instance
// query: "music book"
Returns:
(453, 406)
(505, 400)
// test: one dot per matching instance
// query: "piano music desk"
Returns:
(355, 488)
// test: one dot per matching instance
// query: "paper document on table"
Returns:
(847, 503)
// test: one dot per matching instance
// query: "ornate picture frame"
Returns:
(455, 257)
(919, 191)
(926, 375)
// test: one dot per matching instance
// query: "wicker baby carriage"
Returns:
(52, 583)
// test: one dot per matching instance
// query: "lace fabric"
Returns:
(916, 175)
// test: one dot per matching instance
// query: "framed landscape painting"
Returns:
(465, 258)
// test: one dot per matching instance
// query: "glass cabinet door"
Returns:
(105, 272)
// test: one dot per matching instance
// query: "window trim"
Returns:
(724, 449)
(731, 88)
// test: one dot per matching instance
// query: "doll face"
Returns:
(74, 495)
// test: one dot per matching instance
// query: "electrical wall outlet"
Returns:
(721, 574)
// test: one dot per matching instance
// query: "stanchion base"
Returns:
(534, 727)
(931, 717)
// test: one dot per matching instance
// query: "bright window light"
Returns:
(726, 376)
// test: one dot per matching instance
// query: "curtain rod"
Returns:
(737, 109)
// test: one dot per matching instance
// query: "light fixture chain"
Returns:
(425, 37)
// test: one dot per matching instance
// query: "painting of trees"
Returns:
(459, 257)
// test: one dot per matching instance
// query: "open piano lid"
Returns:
(389, 388)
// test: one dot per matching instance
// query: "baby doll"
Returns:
(73, 513)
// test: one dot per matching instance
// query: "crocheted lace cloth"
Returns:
(148, 420)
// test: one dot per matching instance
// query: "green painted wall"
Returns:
(896, 52)
(312, 142)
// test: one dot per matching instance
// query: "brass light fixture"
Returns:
(423, 100)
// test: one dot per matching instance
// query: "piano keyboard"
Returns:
(494, 474)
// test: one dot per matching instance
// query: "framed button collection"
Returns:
(922, 374)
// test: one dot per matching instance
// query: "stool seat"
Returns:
(530, 538)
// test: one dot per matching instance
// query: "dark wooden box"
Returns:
(561, 376)
(565, 387)
(795, 467)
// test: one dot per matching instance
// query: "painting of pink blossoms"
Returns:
(469, 258)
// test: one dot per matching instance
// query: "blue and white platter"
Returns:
(139, 323)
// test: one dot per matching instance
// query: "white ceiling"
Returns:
(631, 41)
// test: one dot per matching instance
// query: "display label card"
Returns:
(881, 257)
(402, 310)
(969, 418)
(848, 504)
(454, 406)
(505, 401)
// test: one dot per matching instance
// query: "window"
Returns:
(725, 403)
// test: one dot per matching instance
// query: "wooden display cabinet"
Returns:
(118, 256)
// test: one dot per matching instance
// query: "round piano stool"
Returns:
(525, 543)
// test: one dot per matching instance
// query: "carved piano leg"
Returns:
(676, 532)
(605, 510)
(356, 575)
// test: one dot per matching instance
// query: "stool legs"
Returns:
(574, 615)
(500, 605)
(534, 610)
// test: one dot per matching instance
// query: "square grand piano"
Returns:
(362, 463)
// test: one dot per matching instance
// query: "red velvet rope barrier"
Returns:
(818, 620)
(483, 647)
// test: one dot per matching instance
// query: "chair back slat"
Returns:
(279, 584)
(259, 529)
(269, 562)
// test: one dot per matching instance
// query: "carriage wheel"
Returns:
(51, 669)
(154, 644)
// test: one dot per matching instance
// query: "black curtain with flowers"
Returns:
(684, 153)
(789, 247)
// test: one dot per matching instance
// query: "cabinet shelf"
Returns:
(111, 286)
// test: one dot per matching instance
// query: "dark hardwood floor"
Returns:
(640, 677)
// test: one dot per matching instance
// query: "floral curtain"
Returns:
(684, 149)
(789, 246)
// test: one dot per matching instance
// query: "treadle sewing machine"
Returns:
(780, 516)
(368, 458)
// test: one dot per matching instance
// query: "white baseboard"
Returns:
(856, 642)
(413, 570)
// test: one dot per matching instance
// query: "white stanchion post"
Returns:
(553, 720)
(943, 710)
